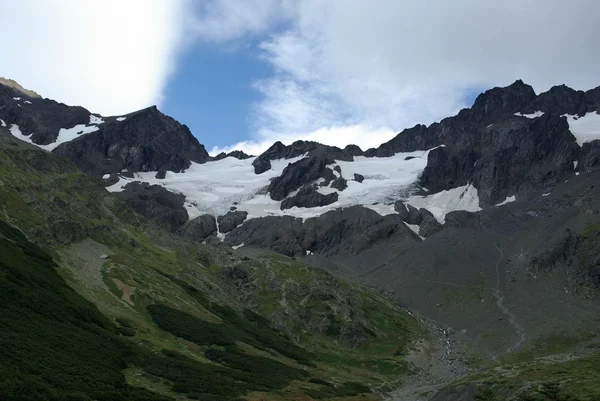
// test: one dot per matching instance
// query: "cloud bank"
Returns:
(385, 65)
(111, 56)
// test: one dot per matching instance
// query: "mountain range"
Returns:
(452, 262)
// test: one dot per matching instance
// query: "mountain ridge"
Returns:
(485, 225)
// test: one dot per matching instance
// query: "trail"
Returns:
(499, 295)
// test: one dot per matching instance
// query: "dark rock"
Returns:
(589, 158)
(279, 151)
(525, 155)
(146, 141)
(231, 220)
(161, 174)
(462, 219)
(339, 183)
(448, 168)
(42, 118)
(561, 100)
(414, 216)
(281, 234)
(401, 209)
(220, 156)
(359, 177)
(155, 203)
(111, 180)
(348, 231)
(500, 101)
(327, 176)
(338, 169)
(238, 154)
(429, 225)
(295, 175)
(353, 150)
(309, 197)
(200, 228)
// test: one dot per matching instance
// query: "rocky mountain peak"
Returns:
(146, 140)
(14, 85)
(499, 101)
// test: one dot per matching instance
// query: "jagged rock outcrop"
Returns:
(327, 176)
(561, 100)
(146, 140)
(359, 177)
(280, 151)
(589, 158)
(295, 175)
(429, 225)
(40, 118)
(341, 231)
(238, 154)
(309, 197)
(339, 183)
(155, 203)
(514, 154)
(200, 228)
(408, 213)
(231, 220)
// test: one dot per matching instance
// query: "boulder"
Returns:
(231, 220)
(309, 197)
(200, 228)
(339, 183)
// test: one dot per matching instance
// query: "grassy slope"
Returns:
(319, 338)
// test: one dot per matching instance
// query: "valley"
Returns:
(458, 261)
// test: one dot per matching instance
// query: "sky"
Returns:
(245, 73)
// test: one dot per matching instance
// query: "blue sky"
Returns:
(211, 92)
(243, 74)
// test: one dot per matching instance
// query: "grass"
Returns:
(54, 345)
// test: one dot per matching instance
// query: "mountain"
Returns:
(449, 263)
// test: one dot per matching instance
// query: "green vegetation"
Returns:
(54, 345)
(348, 389)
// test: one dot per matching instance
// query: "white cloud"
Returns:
(111, 56)
(386, 63)
(361, 135)
(218, 20)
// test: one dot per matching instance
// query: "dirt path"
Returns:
(499, 295)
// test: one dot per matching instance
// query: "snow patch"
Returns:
(415, 228)
(586, 128)
(444, 202)
(507, 200)
(238, 246)
(382, 209)
(106, 176)
(2, 123)
(575, 164)
(17, 98)
(533, 115)
(16, 132)
(546, 194)
(27, 102)
(96, 119)
(68, 134)
(213, 187)
(121, 118)
(64, 135)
